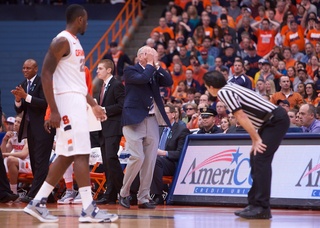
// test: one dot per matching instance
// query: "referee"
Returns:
(266, 124)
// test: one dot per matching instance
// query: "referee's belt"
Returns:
(268, 117)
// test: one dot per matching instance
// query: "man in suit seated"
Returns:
(170, 147)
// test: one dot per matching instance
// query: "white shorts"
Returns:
(24, 165)
(72, 138)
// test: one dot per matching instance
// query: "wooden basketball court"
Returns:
(12, 215)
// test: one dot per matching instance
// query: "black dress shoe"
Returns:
(124, 201)
(104, 200)
(158, 200)
(26, 199)
(146, 206)
(247, 208)
(9, 197)
(133, 200)
(256, 213)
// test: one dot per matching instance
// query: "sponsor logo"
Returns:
(208, 178)
(310, 178)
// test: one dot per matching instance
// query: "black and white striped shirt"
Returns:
(237, 97)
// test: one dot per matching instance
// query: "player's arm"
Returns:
(257, 145)
(59, 47)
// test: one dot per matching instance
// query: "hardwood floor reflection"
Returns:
(12, 215)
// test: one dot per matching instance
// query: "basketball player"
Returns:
(63, 70)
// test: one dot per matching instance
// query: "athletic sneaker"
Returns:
(94, 214)
(38, 209)
(68, 197)
(77, 199)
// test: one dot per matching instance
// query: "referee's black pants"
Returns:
(271, 133)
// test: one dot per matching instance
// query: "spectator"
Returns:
(191, 117)
(313, 34)
(206, 61)
(163, 29)
(234, 9)
(288, 57)
(286, 93)
(216, 8)
(170, 147)
(291, 72)
(119, 59)
(221, 110)
(301, 89)
(185, 59)
(292, 116)
(225, 124)
(163, 57)
(313, 66)
(198, 36)
(294, 36)
(261, 87)
(170, 23)
(309, 6)
(284, 104)
(208, 125)
(198, 72)
(244, 26)
(296, 54)
(243, 47)
(252, 59)
(311, 95)
(265, 73)
(207, 45)
(303, 78)
(307, 115)
(309, 50)
(194, 18)
(230, 20)
(181, 91)
(239, 77)
(281, 8)
(270, 87)
(190, 81)
(197, 4)
(265, 35)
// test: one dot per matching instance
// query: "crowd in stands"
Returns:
(272, 47)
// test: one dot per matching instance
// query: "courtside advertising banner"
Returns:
(216, 170)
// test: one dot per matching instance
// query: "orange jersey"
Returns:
(163, 30)
(313, 36)
(290, 63)
(295, 38)
(231, 22)
(208, 31)
(265, 41)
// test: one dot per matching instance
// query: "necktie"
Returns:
(28, 86)
(103, 88)
(163, 139)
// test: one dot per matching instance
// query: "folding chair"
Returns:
(98, 178)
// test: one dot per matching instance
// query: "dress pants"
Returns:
(142, 143)
(112, 168)
(39, 152)
(271, 133)
(164, 167)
